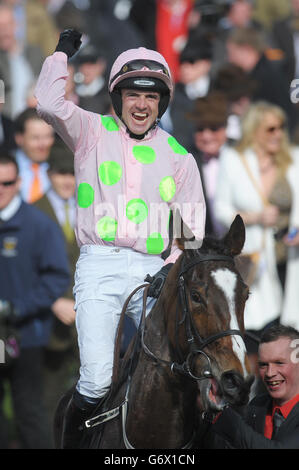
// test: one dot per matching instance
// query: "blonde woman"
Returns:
(258, 179)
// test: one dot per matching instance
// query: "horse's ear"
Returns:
(181, 232)
(235, 238)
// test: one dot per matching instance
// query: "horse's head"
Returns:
(207, 333)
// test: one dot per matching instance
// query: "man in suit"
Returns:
(271, 419)
(61, 354)
(34, 139)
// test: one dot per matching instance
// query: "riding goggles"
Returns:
(140, 64)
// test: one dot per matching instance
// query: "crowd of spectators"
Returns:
(232, 61)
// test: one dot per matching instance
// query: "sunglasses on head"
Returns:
(272, 129)
(8, 183)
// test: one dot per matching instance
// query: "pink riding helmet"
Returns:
(141, 69)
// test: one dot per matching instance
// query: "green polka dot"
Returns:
(107, 227)
(176, 147)
(136, 210)
(109, 123)
(85, 195)
(154, 244)
(144, 154)
(167, 188)
(110, 172)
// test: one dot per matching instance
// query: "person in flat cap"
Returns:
(209, 117)
(195, 79)
(61, 354)
(91, 80)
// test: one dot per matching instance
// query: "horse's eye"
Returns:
(195, 297)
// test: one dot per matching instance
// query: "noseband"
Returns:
(194, 339)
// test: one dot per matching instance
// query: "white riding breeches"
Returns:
(105, 277)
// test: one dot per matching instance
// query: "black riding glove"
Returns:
(7, 312)
(69, 42)
(157, 281)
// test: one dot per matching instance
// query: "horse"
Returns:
(188, 356)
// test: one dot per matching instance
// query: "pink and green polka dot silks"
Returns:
(125, 187)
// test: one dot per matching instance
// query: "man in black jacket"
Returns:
(271, 420)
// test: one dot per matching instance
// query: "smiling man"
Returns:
(140, 110)
(130, 173)
(272, 419)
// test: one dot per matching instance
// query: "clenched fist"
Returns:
(69, 42)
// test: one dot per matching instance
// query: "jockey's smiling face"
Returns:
(139, 109)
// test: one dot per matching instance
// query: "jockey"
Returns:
(130, 173)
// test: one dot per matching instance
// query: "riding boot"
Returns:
(78, 410)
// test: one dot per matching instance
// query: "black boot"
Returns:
(78, 410)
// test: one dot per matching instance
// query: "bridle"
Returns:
(195, 341)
